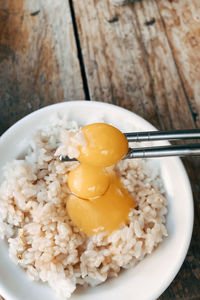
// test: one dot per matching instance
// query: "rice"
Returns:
(40, 235)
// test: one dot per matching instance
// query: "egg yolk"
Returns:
(106, 145)
(105, 213)
(99, 202)
(87, 182)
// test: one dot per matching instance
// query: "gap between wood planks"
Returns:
(79, 51)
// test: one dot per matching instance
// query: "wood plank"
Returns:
(38, 57)
(181, 20)
(130, 62)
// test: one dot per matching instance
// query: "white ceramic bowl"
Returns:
(149, 278)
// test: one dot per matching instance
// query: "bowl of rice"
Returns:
(45, 256)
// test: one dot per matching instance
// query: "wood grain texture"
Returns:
(181, 20)
(132, 59)
(131, 64)
(38, 57)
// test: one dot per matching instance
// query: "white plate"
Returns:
(149, 278)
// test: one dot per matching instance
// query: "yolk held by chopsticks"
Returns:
(99, 202)
(106, 145)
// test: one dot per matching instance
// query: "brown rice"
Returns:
(43, 240)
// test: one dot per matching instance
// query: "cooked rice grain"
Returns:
(43, 240)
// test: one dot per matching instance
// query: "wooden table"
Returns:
(144, 57)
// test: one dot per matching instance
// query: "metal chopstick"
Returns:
(163, 151)
(160, 151)
(66, 158)
(163, 135)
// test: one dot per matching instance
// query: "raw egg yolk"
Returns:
(105, 213)
(106, 145)
(87, 182)
(99, 202)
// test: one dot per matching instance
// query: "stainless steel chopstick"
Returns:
(163, 135)
(160, 151)
(163, 151)
(66, 158)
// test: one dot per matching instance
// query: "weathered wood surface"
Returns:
(131, 64)
(38, 57)
(144, 57)
(181, 20)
